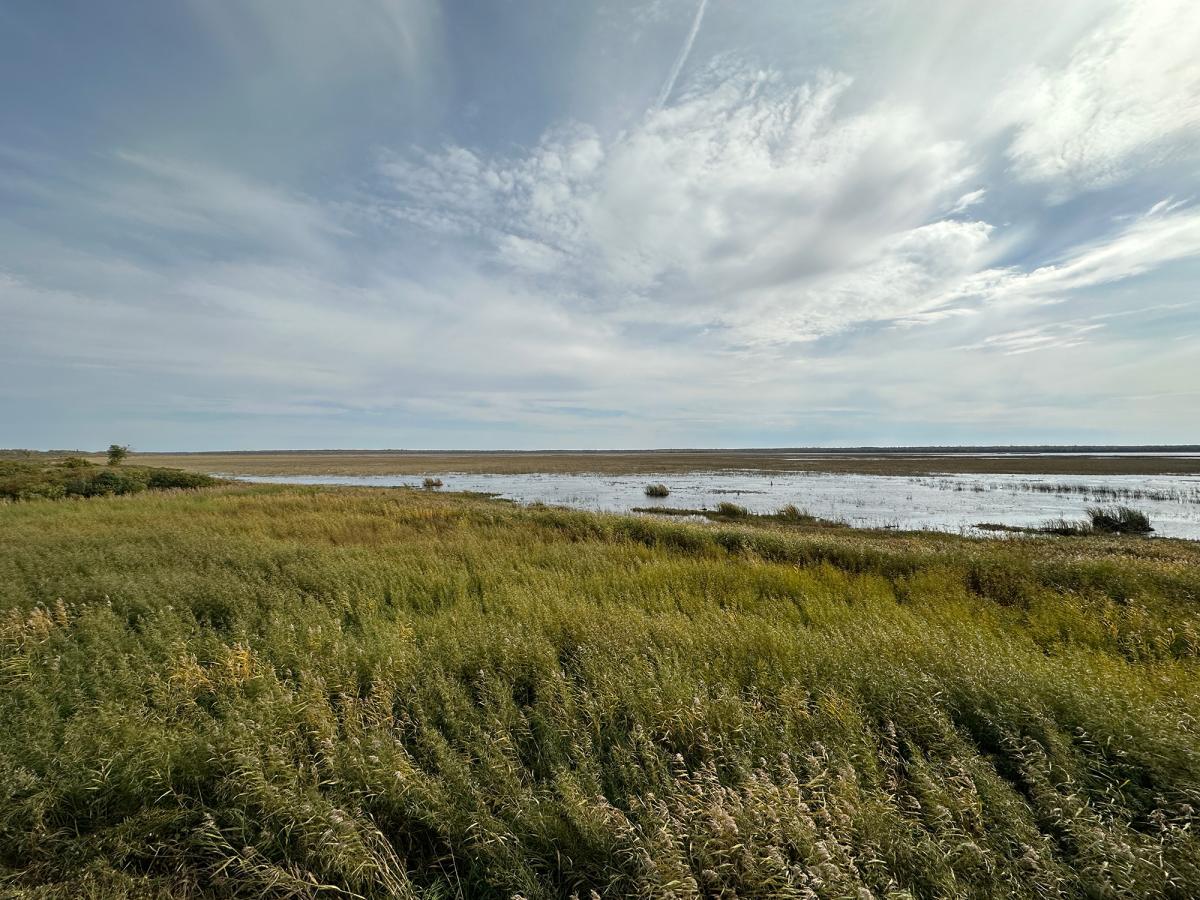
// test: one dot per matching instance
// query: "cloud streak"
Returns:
(681, 59)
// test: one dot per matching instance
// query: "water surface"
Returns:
(954, 503)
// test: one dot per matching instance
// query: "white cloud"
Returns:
(967, 200)
(748, 201)
(1054, 336)
(1167, 233)
(1128, 98)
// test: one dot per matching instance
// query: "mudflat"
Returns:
(634, 462)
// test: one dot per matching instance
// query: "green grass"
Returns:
(304, 692)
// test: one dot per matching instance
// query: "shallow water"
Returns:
(954, 503)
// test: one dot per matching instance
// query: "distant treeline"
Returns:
(17, 453)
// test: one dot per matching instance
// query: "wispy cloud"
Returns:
(1056, 336)
(1128, 98)
(747, 187)
(681, 59)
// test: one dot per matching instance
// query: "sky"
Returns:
(656, 223)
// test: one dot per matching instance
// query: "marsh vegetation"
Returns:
(1100, 520)
(75, 476)
(265, 691)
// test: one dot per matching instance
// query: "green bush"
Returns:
(164, 479)
(105, 482)
(657, 490)
(74, 462)
(74, 477)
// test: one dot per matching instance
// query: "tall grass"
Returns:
(297, 692)
(1119, 520)
(731, 510)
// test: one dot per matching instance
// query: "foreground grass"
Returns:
(295, 692)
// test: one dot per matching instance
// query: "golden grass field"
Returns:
(259, 691)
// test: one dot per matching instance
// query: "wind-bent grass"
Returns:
(296, 692)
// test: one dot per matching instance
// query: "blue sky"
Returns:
(403, 223)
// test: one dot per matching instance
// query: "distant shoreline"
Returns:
(935, 449)
(1023, 460)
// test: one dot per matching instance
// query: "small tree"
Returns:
(116, 453)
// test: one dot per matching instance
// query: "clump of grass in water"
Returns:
(792, 513)
(1119, 520)
(732, 510)
(431, 483)
(1101, 520)
(657, 490)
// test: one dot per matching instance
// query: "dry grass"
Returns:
(660, 462)
(257, 691)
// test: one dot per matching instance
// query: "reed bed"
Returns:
(260, 691)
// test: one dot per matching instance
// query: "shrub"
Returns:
(1119, 520)
(75, 477)
(107, 482)
(117, 454)
(74, 462)
(657, 490)
(732, 510)
(164, 479)
(430, 483)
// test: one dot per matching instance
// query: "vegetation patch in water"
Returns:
(1100, 521)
